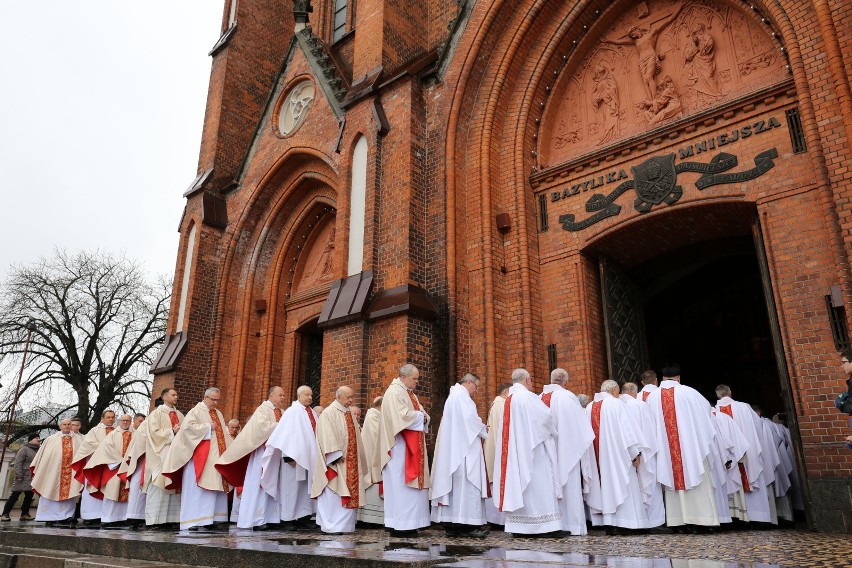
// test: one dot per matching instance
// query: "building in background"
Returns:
(476, 186)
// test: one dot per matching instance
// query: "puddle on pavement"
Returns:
(498, 557)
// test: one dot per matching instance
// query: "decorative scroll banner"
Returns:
(655, 182)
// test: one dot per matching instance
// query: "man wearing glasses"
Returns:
(189, 466)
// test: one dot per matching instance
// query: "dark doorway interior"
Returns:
(704, 308)
(310, 359)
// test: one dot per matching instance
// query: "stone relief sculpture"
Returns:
(319, 264)
(295, 107)
(656, 62)
(605, 99)
(645, 40)
(666, 103)
(701, 53)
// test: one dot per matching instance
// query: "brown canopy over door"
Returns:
(627, 352)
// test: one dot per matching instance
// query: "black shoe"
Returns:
(659, 530)
(413, 533)
(116, 526)
(475, 533)
(261, 528)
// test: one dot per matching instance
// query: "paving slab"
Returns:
(375, 548)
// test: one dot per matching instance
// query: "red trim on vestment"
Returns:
(353, 482)
(504, 458)
(413, 456)
(645, 396)
(596, 428)
(743, 475)
(199, 458)
(670, 418)
(311, 418)
(65, 473)
(234, 472)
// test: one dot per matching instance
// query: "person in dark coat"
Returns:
(23, 480)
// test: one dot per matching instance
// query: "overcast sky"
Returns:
(101, 113)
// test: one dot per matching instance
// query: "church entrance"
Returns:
(310, 358)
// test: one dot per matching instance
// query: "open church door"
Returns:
(624, 326)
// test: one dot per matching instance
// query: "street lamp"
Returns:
(31, 327)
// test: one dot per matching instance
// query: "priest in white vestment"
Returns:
(644, 428)
(132, 470)
(618, 454)
(459, 481)
(574, 438)
(90, 506)
(372, 510)
(340, 474)
(162, 506)
(684, 428)
(649, 384)
(730, 447)
(287, 464)
(525, 460)
(495, 415)
(190, 466)
(757, 469)
(402, 449)
(101, 472)
(53, 478)
(240, 465)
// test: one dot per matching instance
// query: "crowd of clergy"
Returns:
(631, 459)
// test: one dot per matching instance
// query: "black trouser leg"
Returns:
(10, 502)
(28, 500)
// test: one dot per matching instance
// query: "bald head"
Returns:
(344, 396)
(377, 402)
(304, 395)
(277, 397)
(630, 388)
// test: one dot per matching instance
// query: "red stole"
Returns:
(546, 398)
(415, 442)
(311, 418)
(124, 491)
(278, 414)
(66, 474)
(670, 418)
(746, 487)
(596, 428)
(645, 395)
(504, 458)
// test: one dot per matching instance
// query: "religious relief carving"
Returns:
(657, 62)
(701, 54)
(295, 107)
(318, 265)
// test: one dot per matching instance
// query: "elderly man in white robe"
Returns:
(287, 464)
(644, 428)
(341, 469)
(53, 479)
(132, 470)
(459, 481)
(372, 510)
(495, 518)
(240, 465)
(90, 506)
(757, 469)
(525, 473)
(684, 428)
(573, 441)
(730, 447)
(162, 506)
(402, 450)
(618, 452)
(101, 472)
(190, 466)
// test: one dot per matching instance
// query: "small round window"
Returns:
(295, 107)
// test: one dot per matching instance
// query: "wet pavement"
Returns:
(374, 547)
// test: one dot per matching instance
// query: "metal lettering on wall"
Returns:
(655, 182)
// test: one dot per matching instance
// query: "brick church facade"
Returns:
(480, 185)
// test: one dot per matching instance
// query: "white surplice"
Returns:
(288, 461)
(683, 425)
(616, 446)
(573, 460)
(49, 511)
(459, 480)
(758, 465)
(526, 440)
(646, 392)
(256, 506)
(136, 499)
(406, 508)
(495, 415)
(200, 507)
(649, 490)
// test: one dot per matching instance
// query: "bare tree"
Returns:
(98, 323)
